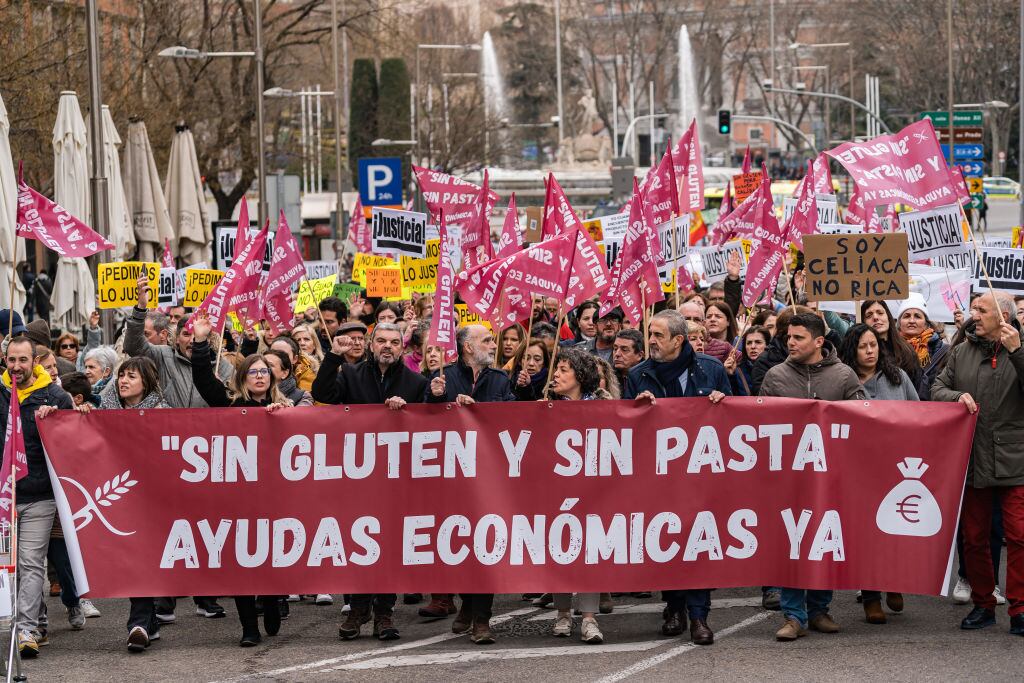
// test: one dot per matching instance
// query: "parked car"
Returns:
(1001, 185)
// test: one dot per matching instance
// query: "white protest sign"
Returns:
(714, 260)
(828, 209)
(224, 252)
(839, 229)
(1005, 268)
(316, 270)
(957, 260)
(942, 290)
(168, 296)
(682, 236)
(5, 594)
(934, 232)
(399, 232)
(613, 229)
(181, 275)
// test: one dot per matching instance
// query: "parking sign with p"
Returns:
(380, 181)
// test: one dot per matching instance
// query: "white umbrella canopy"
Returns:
(146, 202)
(12, 250)
(74, 292)
(185, 200)
(120, 221)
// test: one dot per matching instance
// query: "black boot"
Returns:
(246, 606)
(271, 614)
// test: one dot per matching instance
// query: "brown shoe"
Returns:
(54, 589)
(894, 601)
(823, 623)
(674, 624)
(481, 634)
(350, 628)
(606, 606)
(463, 622)
(440, 607)
(791, 630)
(700, 634)
(384, 628)
(873, 612)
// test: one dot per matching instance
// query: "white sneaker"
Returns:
(138, 639)
(346, 608)
(961, 592)
(998, 595)
(591, 633)
(89, 609)
(563, 626)
(294, 598)
(323, 599)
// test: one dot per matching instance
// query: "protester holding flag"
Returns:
(36, 396)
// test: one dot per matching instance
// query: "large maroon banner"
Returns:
(509, 498)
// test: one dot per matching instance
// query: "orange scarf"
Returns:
(920, 345)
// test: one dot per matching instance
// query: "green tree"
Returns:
(393, 110)
(362, 130)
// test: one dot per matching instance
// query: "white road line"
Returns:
(467, 656)
(376, 652)
(645, 664)
(657, 607)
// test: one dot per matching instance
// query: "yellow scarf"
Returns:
(920, 345)
(40, 379)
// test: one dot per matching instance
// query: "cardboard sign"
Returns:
(311, 292)
(198, 285)
(534, 221)
(399, 232)
(936, 232)
(828, 209)
(714, 260)
(857, 267)
(420, 274)
(1005, 267)
(116, 283)
(320, 269)
(364, 261)
(168, 283)
(743, 185)
(468, 317)
(384, 282)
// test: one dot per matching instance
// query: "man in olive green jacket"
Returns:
(986, 374)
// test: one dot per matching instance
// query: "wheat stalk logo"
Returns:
(104, 496)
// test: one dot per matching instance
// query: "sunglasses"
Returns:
(68, 346)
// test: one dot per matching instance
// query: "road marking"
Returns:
(467, 656)
(376, 653)
(658, 607)
(645, 664)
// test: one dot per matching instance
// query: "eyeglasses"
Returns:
(68, 346)
(258, 372)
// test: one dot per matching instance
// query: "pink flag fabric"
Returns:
(634, 279)
(511, 239)
(455, 196)
(746, 161)
(905, 167)
(359, 230)
(559, 215)
(963, 195)
(743, 220)
(892, 218)
(804, 220)
(15, 462)
(689, 170)
(286, 268)
(38, 218)
(242, 231)
(443, 323)
(822, 175)
(769, 245)
(239, 290)
(167, 260)
(857, 213)
(476, 233)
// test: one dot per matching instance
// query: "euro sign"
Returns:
(908, 508)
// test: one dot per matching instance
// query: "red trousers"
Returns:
(976, 522)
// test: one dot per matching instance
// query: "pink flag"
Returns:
(167, 260)
(559, 215)
(822, 175)
(905, 167)
(511, 239)
(963, 194)
(769, 246)
(476, 233)
(15, 463)
(242, 231)
(359, 230)
(661, 196)
(744, 219)
(455, 196)
(40, 219)
(634, 275)
(857, 213)
(443, 323)
(239, 290)
(892, 218)
(746, 161)
(689, 170)
(588, 273)
(286, 268)
(804, 220)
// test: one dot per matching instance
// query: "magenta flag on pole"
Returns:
(559, 215)
(15, 462)
(769, 246)
(857, 213)
(511, 239)
(689, 170)
(804, 220)
(239, 290)
(746, 161)
(359, 230)
(905, 167)
(443, 322)
(455, 196)
(743, 220)
(167, 259)
(242, 231)
(822, 175)
(963, 194)
(286, 268)
(39, 218)
(635, 272)
(476, 233)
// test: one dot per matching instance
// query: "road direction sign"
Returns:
(965, 152)
(970, 169)
(967, 117)
(962, 134)
(975, 185)
(976, 201)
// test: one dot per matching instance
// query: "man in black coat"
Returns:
(382, 378)
(470, 380)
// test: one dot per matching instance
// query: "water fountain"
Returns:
(689, 98)
(494, 85)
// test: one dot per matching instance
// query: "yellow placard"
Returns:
(1015, 237)
(364, 261)
(116, 283)
(420, 274)
(593, 226)
(312, 292)
(199, 283)
(384, 282)
(467, 317)
(237, 325)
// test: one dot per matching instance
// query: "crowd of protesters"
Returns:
(697, 344)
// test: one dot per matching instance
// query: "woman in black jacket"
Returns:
(253, 385)
(530, 375)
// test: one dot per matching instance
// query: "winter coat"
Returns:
(490, 386)
(212, 390)
(997, 455)
(340, 382)
(827, 380)
(174, 369)
(114, 402)
(294, 393)
(937, 349)
(879, 388)
(36, 485)
(775, 353)
(706, 374)
(534, 391)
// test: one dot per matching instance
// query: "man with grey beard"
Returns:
(470, 380)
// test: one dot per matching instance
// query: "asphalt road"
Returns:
(923, 643)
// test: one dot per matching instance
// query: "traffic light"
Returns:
(724, 121)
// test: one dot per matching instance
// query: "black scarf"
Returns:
(668, 373)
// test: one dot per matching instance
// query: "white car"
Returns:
(1001, 185)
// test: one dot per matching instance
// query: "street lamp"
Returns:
(182, 52)
(853, 111)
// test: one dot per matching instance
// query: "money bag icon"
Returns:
(910, 508)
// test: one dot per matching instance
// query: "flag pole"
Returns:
(13, 657)
(977, 252)
(643, 321)
(529, 326)
(789, 284)
(558, 334)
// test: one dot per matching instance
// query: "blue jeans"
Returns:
(696, 602)
(798, 603)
